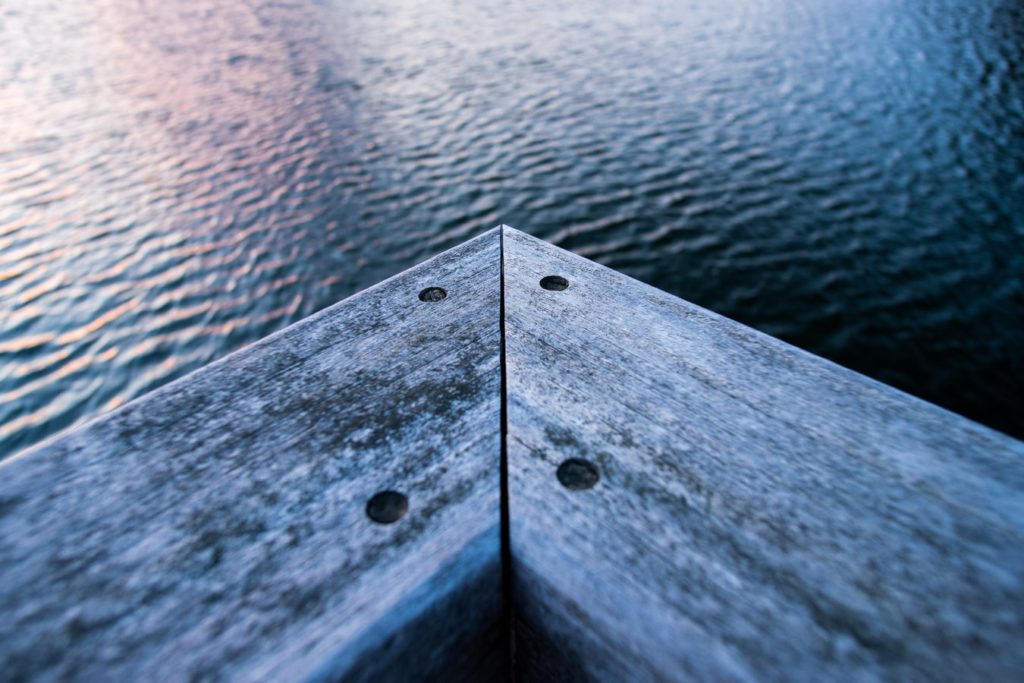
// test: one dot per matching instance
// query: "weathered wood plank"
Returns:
(761, 514)
(216, 529)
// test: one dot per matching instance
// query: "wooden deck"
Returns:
(512, 462)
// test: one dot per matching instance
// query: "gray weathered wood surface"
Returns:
(761, 513)
(216, 528)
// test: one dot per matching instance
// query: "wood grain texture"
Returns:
(215, 530)
(761, 514)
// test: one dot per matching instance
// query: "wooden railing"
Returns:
(511, 461)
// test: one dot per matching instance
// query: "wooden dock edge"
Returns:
(322, 505)
(510, 461)
(690, 499)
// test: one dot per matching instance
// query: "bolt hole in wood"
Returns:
(433, 294)
(387, 507)
(556, 283)
(577, 474)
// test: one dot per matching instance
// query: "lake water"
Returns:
(178, 180)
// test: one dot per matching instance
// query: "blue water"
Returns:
(178, 179)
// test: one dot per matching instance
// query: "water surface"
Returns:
(178, 179)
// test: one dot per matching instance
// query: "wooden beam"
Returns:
(220, 527)
(690, 499)
(687, 499)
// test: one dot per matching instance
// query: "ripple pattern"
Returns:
(180, 179)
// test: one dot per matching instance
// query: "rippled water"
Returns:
(177, 180)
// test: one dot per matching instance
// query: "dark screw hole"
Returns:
(556, 283)
(433, 294)
(577, 474)
(387, 507)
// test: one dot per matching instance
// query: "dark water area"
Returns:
(178, 179)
